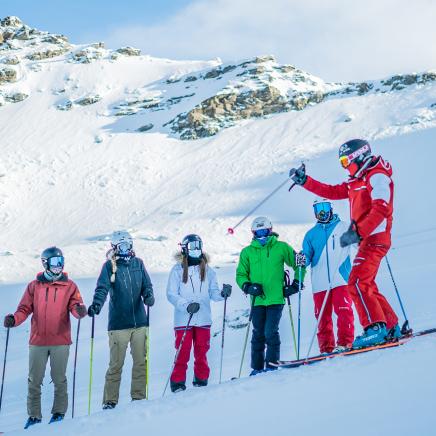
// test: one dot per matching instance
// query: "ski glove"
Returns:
(300, 259)
(149, 300)
(350, 236)
(298, 175)
(227, 291)
(9, 321)
(94, 309)
(254, 289)
(193, 308)
(81, 310)
(291, 289)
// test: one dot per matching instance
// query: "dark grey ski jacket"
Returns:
(132, 284)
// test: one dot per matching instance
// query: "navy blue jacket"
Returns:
(132, 284)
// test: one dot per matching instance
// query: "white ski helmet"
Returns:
(261, 223)
(122, 241)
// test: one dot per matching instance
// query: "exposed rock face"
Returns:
(11, 22)
(90, 99)
(87, 55)
(7, 75)
(47, 54)
(16, 97)
(11, 60)
(145, 128)
(129, 51)
(56, 39)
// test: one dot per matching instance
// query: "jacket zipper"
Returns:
(333, 241)
(45, 313)
(131, 295)
(56, 291)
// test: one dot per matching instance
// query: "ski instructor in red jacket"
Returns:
(370, 190)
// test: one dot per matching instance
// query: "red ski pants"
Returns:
(371, 306)
(338, 299)
(200, 337)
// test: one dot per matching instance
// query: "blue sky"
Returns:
(338, 40)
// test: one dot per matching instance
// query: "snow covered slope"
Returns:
(70, 177)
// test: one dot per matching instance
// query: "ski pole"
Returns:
(90, 364)
(147, 353)
(74, 371)
(222, 338)
(177, 353)
(299, 312)
(231, 230)
(405, 328)
(326, 296)
(250, 317)
(4, 367)
(292, 326)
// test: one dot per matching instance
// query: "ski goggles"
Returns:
(123, 247)
(322, 209)
(56, 262)
(348, 159)
(261, 233)
(193, 245)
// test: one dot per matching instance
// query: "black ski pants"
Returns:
(266, 321)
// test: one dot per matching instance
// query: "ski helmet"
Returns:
(192, 246)
(53, 261)
(122, 243)
(323, 210)
(353, 154)
(261, 229)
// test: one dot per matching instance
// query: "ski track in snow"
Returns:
(59, 186)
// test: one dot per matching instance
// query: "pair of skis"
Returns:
(353, 352)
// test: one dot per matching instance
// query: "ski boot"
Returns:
(394, 334)
(177, 386)
(109, 405)
(256, 372)
(56, 417)
(31, 421)
(340, 349)
(198, 383)
(375, 334)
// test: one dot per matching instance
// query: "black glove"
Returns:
(94, 309)
(291, 289)
(149, 300)
(227, 291)
(9, 321)
(81, 310)
(298, 175)
(193, 308)
(254, 289)
(350, 236)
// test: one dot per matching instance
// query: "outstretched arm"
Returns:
(332, 192)
(25, 308)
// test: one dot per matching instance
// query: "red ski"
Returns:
(351, 352)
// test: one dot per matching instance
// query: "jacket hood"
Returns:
(61, 281)
(178, 257)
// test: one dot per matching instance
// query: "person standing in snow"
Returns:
(260, 274)
(370, 190)
(192, 284)
(330, 269)
(126, 280)
(50, 298)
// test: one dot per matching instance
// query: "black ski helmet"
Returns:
(55, 254)
(353, 154)
(190, 243)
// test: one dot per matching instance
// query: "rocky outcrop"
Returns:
(16, 97)
(87, 55)
(11, 60)
(129, 51)
(47, 54)
(145, 128)
(7, 75)
(11, 21)
(88, 100)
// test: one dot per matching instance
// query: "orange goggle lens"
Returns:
(345, 162)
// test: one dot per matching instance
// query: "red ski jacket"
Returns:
(50, 304)
(371, 197)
